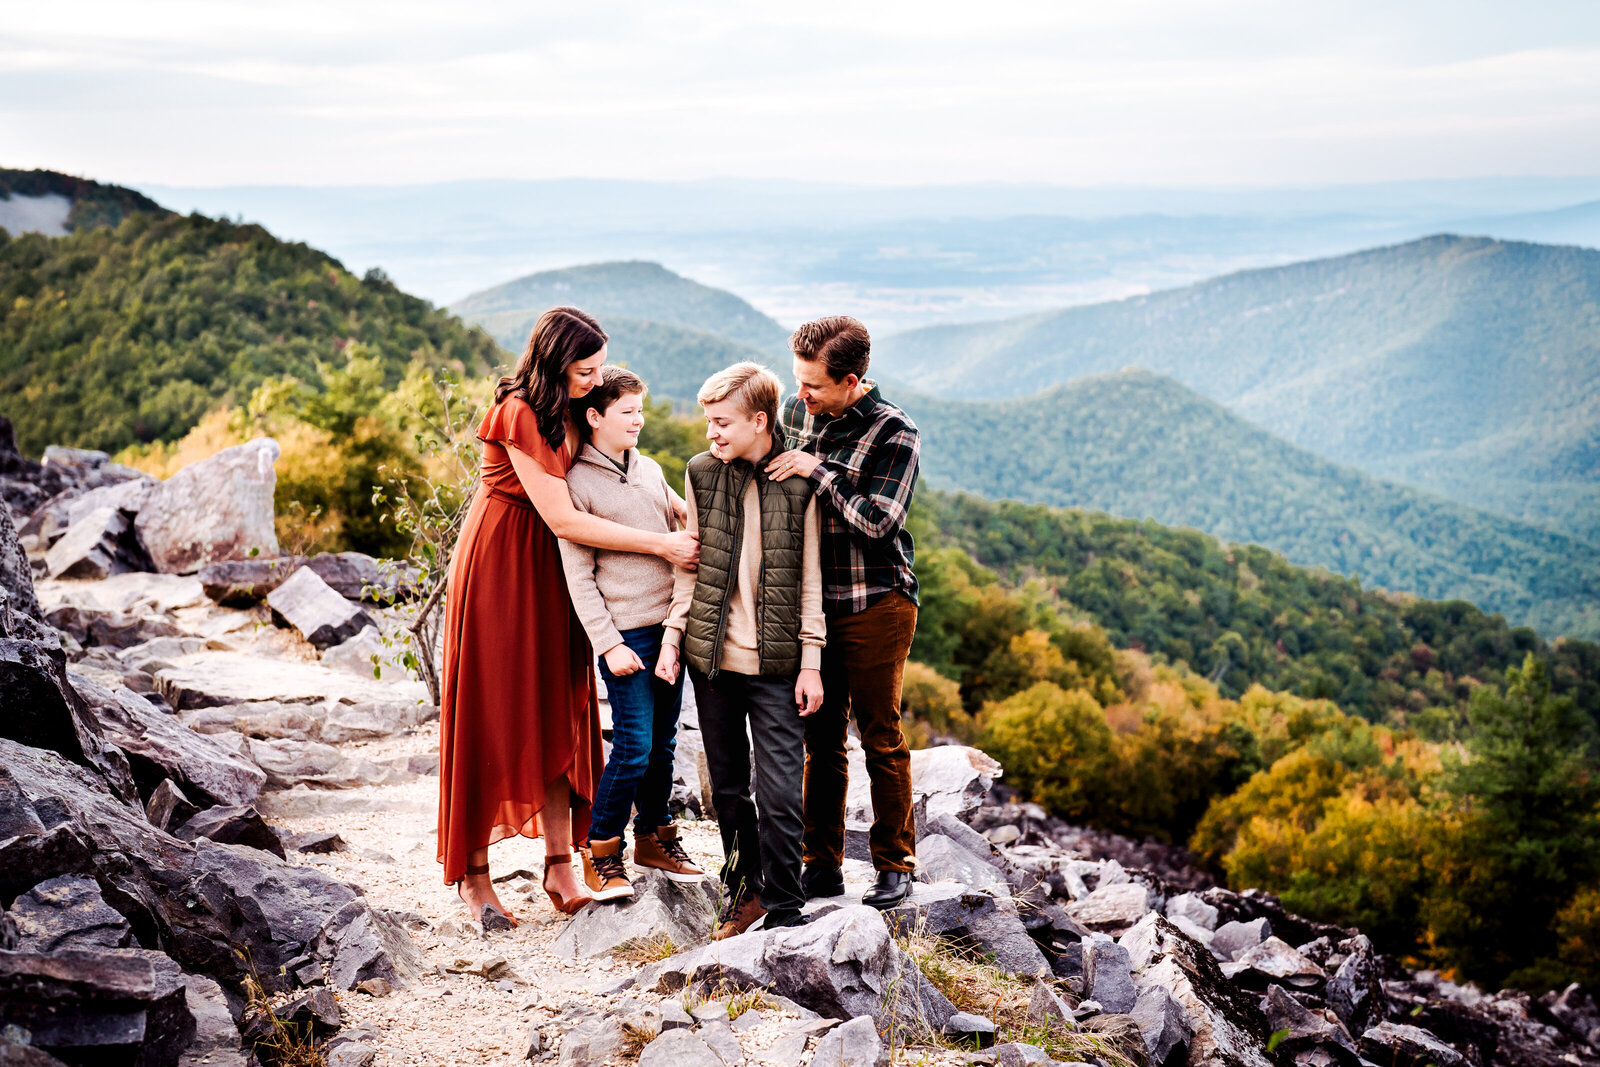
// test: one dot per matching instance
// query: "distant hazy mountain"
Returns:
(1466, 365)
(1141, 445)
(56, 204)
(637, 290)
(1575, 225)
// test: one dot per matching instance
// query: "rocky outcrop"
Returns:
(842, 965)
(217, 509)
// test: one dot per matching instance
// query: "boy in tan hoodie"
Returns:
(622, 600)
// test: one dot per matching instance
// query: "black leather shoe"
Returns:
(784, 917)
(892, 888)
(822, 882)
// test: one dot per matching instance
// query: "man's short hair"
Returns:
(750, 386)
(615, 383)
(839, 341)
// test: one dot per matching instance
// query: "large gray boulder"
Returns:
(217, 509)
(854, 1044)
(101, 543)
(993, 924)
(68, 912)
(659, 910)
(1400, 1045)
(40, 709)
(1164, 1025)
(842, 965)
(940, 859)
(95, 1007)
(1108, 977)
(309, 605)
(160, 748)
(1355, 992)
(1306, 1030)
(1229, 1027)
(16, 573)
(1232, 940)
(203, 903)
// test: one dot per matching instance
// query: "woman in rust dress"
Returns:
(519, 736)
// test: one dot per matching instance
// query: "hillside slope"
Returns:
(637, 290)
(1467, 365)
(113, 336)
(55, 204)
(1140, 445)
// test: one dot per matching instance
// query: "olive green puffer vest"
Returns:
(719, 490)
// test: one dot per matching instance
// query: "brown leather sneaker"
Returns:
(745, 912)
(604, 872)
(662, 851)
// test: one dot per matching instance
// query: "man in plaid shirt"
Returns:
(861, 454)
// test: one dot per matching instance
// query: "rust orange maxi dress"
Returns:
(518, 704)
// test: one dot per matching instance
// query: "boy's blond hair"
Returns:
(752, 387)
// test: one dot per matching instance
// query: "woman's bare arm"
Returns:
(554, 504)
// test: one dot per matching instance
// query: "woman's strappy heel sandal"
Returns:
(461, 887)
(564, 906)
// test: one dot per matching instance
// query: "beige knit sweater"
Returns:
(616, 591)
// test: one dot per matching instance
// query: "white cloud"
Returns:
(1149, 91)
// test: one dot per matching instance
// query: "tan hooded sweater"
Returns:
(616, 591)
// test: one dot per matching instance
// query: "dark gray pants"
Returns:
(760, 837)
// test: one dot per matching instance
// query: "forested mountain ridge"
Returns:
(1463, 364)
(1140, 445)
(91, 203)
(635, 290)
(1244, 615)
(127, 334)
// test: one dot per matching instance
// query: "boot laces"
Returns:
(608, 867)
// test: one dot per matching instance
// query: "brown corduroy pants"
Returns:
(862, 668)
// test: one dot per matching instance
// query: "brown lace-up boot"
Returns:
(604, 871)
(662, 851)
(744, 913)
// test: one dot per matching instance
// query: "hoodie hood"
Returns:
(596, 458)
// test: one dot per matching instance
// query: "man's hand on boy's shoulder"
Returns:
(667, 664)
(790, 463)
(808, 691)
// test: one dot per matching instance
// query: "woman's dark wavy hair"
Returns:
(560, 338)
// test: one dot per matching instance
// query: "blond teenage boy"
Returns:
(749, 623)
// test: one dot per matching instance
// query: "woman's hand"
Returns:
(808, 691)
(622, 660)
(667, 664)
(681, 549)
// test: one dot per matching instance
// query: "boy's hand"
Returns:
(808, 691)
(667, 664)
(790, 463)
(622, 660)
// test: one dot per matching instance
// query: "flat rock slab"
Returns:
(130, 593)
(1111, 909)
(215, 679)
(660, 910)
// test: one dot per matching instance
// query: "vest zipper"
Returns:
(733, 576)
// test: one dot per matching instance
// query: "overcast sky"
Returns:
(1149, 92)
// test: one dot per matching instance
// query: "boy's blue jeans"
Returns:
(644, 735)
